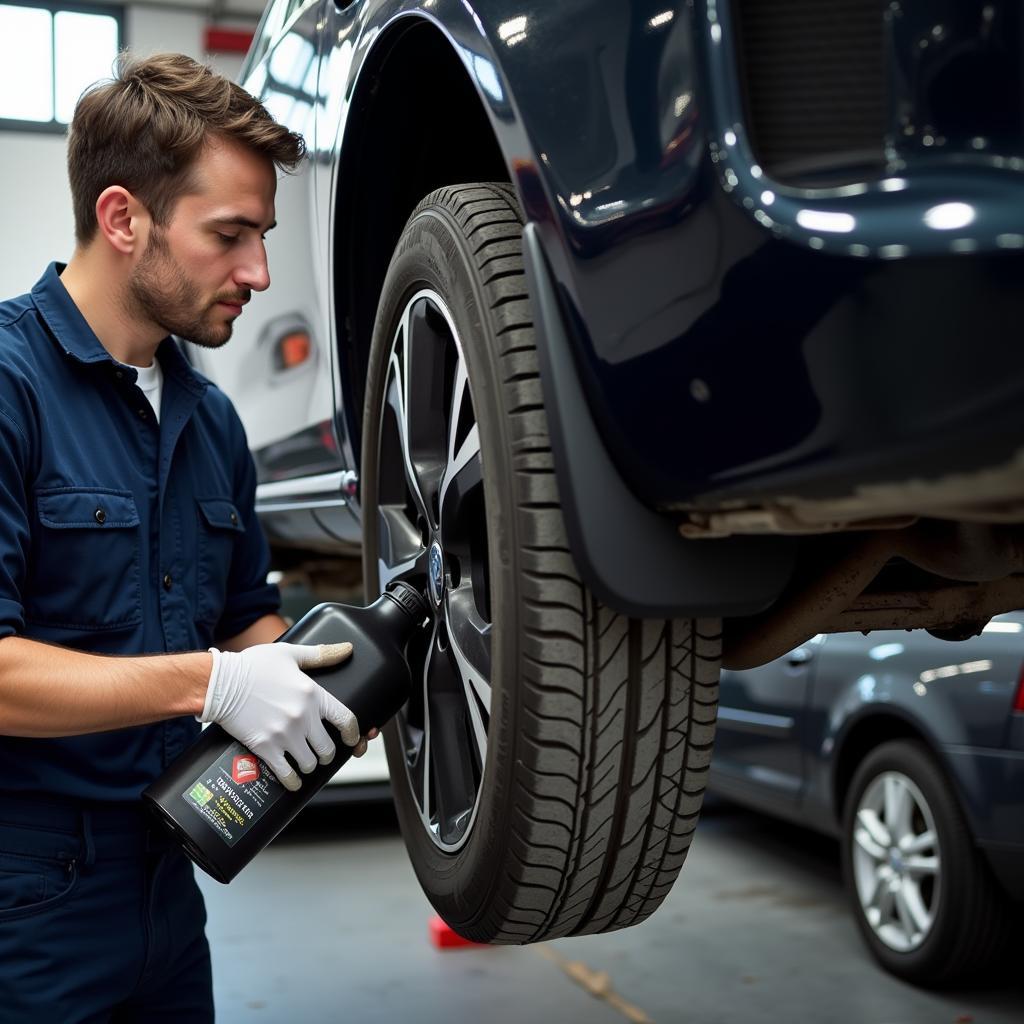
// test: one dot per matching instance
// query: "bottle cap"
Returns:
(409, 599)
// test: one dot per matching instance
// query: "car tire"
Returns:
(901, 783)
(584, 753)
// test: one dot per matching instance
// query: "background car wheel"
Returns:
(923, 897)
(549, 773)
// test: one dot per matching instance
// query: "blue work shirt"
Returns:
(118, 534)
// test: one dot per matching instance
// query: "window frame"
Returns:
(53, 126)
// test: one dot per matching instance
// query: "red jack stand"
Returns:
(442, 937)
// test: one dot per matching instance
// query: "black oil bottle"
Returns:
(222, 803)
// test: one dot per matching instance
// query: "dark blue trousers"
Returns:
(101, 919)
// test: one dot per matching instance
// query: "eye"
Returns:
(227, 239)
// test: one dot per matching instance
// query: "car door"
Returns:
(759, 753)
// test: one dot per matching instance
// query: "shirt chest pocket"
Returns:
(220, 527)
(85, 567)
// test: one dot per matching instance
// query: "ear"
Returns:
(123, 221)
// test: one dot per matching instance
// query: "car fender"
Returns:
(632, 558)
(886, 704)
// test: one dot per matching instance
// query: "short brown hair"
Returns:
(145, 129)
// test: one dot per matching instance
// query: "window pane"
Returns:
(86, 46)
(26, 64)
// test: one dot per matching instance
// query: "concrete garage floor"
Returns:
(328, 924)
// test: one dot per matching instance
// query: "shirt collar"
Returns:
(74, 335)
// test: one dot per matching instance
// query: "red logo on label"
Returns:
(245, 768)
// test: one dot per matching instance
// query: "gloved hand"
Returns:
(262, 697)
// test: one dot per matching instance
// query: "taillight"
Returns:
(1018, 703)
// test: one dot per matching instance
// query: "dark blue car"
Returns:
(911, 750)
(642, 338)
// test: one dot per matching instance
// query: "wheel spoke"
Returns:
(426, 342)
(451, 755)
(389, 573)
(897, 807)
(415, 734)
(866, 842)
(463, 474)
(919, 867)
(868, 818)
(471, 640)
(462, 450)
(912, 908)
(461, 411)
(478, 726)
(904, 919)
(873, 903)
(420, 769)
(400, 546)
(395, 400)
(419, 774)
(471, 646)
(423, 780)
(884, 903)
(910, 845)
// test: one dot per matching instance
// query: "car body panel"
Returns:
(634, 189)
(630, 174)
(992, 782)
(761, 723)
(739, 341)
(850, 691)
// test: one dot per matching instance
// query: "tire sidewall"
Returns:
(432, 254)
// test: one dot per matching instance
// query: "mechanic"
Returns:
(133, 593)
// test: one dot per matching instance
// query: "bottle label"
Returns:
(234, 793)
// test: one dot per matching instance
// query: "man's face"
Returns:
(197, 271)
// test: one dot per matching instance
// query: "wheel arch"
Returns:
(400, 143)
(862, 736)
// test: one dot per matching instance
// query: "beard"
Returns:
(160, 291)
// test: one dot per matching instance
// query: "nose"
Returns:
(254, 274)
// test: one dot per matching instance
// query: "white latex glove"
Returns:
(262, 697)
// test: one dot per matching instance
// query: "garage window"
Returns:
(49, 54)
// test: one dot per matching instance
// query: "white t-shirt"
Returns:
(151, 382)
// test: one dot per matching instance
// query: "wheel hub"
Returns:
(435, 572)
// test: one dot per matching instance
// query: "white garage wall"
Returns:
(36, 225)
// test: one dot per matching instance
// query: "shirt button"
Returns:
(234, 518)
(142, 413)
(168, 582)
(100, 516)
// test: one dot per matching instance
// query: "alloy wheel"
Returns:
(896, 861)
(431, 526)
